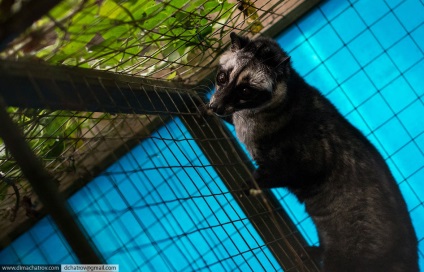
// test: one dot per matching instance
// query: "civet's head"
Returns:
(251, 75)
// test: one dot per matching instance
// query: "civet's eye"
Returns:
(246, 92)
(221, 78)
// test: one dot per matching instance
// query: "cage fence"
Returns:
(108, 95)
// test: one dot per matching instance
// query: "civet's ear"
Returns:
(238, 42)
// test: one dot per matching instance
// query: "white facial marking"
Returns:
(228, 60)
(257, 79)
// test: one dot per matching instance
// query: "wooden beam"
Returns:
(39, 85)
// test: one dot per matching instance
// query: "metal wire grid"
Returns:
(113, 39)
(176, 167)
(170, 167)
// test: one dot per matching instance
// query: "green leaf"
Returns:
(104, 45)
(60, 11)
(110, 9)
(55, 149)
(211, 7)
(117, 31)
(180, 3)
(205, 31)
(185, 54)
(194, 5)
(172, 75)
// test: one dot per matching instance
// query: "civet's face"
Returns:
(245, 78)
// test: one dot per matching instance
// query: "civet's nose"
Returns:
(217, 108)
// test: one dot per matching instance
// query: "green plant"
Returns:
(50, 134)
(138, 37)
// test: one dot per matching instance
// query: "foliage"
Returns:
(138, 37)
(51, 135)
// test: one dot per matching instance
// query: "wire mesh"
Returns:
(178, 223)
(172, 40)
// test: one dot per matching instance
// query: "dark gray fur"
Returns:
(300, 141)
